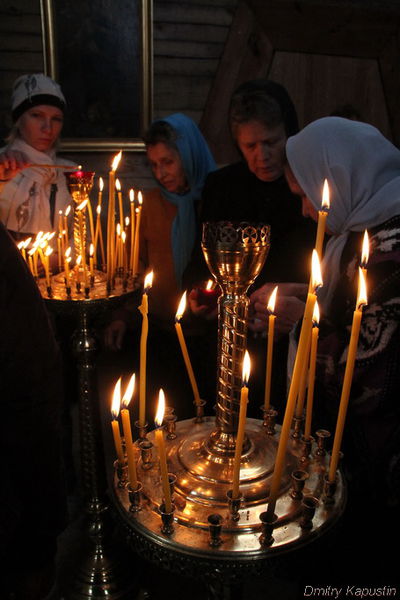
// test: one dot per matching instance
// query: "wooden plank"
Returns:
(174, 12)
(190, 33)
(185, 49)
(180, 93)
(21, 23)
(247, 55)
(24, 43)
(29, 62)
(169, 65)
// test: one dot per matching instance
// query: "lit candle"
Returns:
(47, 253)
(111, 216)
(67, 258)
(123, 250)
(185, 354)
(114, 422)
(322, 216)
(78, 270)
(132, 223)
(59, 251)
(100, 196)
(364, 255)
(126, 424)
(65, 229)
(159, 435)
(315, 283)
(121, 208)
(348, 374)
(99, 236)
(32, 262)
(80, 210)
(136, 243)
(143, 308)
(311, 372)
(270, 347)
(244, 398)
(91, 262)
(91, 223)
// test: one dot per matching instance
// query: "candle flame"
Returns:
(316, 314)
(48, 251)
(365, 250)
(82, 205)
(116, 400)
(160, 409)
(91, 250)
(21, 245)
(123, 237)
(246, 368)
(181, 307)
(50, 235)
(118, 229)
(148, 281)
(127, 397)
(101, 184)
(131, 195)
(325, 204)
(98, 209)
(118, 185)
(32, 251)
(316, 276)
(27, 242)
(68, 252)
(127, 221)
(116, 160)
(362, 299)
(67, 210)
(272, 300)
(210, 284)
(140, 198)
(79, 260)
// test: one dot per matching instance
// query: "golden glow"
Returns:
(127, 397)
(123, 236)
(272, 300)
(116, 160)
(365, 250)
(160, 409)
(362, 299)
(79, 260)
(101, 184)
(316, 277)
(116, 400)
(246, 368)
(316, 314)
(181, 307)
(325, 204)
(148, 281)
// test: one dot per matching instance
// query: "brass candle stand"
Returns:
(209, 534)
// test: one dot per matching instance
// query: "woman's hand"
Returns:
(114, 334)
(198, 309)
(288, 309)
(11, 163)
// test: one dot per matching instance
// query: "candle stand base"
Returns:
(206, 539)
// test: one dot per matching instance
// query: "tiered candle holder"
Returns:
(211, 535)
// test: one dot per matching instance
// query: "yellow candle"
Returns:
(311, 373)
(322, 216)
(100, 196)
(136, 242)
(244, 397)
(67, 259)
(114, 422)
(348, 375)
(47, 253)
(82, 240)
(143, 308)
(126, 424)
(303, 382)
(111, 216)
(159, 436)
(91, 224)
(123, 250)
(185, 354)
(270, 347)
(91, 261)
(132, 223)
(315, 283)
(121, 208)
(65, 229)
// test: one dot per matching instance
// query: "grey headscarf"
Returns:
(363, 172)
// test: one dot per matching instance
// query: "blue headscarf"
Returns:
(197, 162)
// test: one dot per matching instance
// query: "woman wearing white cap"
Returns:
(31, 196)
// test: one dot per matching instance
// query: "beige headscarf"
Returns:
(363, 171)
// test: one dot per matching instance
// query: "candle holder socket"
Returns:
(49, 291)
(215, 527)
(307, 446)
(167, 519)
(309, 506)
(269, 419)
(199, 411)
(135, 497)
(329, 490)
(142, 429)
(297, 428)
(122, 473)
(322, 436)
(267, 525)
(170, 426)
(234, 505)
(299, 479)
(146, 452)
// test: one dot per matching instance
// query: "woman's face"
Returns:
(308, 209)
(40, 126)
(263, 148)
(167, 167)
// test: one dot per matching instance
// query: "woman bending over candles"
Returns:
(180, 160)
(363, 171)
(31, 197)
